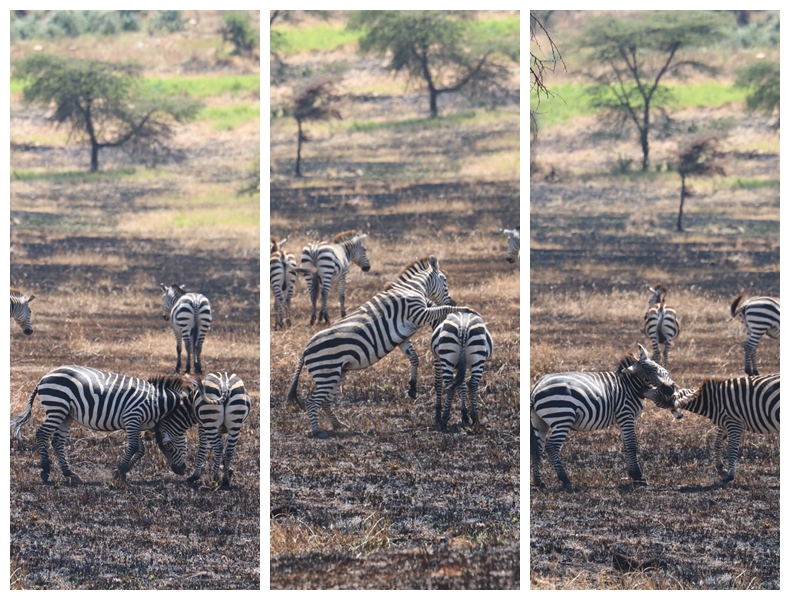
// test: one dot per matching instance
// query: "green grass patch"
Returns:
(752, 184)
(227, 118)
(203, 87)
(248, 214)
(322, 37)
(74, 176)
(412, 124)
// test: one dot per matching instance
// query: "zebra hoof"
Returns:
(568, 487)
(192, 479)
(640, 483)
(412, 392)
(321, 434)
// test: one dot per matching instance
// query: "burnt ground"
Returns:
(98, 303)
(597, 241)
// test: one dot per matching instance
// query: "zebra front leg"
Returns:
(134, 446)
(628, 434)
(718, 448)
(414, 361)
(750, 354)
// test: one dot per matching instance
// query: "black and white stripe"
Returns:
(760, 316)
(749, 403)
(190, 318)
(330, 262)
(103, 401)
(20, 310)
(589, 401)
(371, 332)
(218, 405)
(513, 244)
(282, 279)
(662, 325)
(459, 344)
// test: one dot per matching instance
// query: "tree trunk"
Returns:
(683, 195)
(299, 149)
(644, 131)
(94, 156)
(434, 97)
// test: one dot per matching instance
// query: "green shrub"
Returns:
(167, 20)
(236, 29)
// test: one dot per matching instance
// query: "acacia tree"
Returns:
(762, 81)
(103, 103)
(442, 49)
(540, 65)
(631, 57)
(698, 157)
(315, 101)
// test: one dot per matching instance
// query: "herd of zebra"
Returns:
(587, 401)
(418, 296)
(162, 406)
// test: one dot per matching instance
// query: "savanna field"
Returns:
(601, 233)
(94, 248)
(391, 502)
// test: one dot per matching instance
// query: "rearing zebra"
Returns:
(662, 325)
(20, 310)
(219, 404)
(736, 405)
(371, 332)
(760, 316)
(190, 318)
(332, 261)
(513, 244)
(461, 342)
(103, 401)
(589, 401)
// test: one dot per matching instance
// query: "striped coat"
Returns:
(189, 315)
(760, 316)
(20, 310)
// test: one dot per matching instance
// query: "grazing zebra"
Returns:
(103, 401)
(662, 325)
(332, 261)
(20, 310)
(219, 404)
(735, 405)
(760, 315)
(513, 244)
(369, 333)
(590, 401)
(282, 278)
(190, 317)
(461, 342)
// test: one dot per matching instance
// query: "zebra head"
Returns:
(437, 290)
(169, 296)
(652, 374)
(513, 243)
(671, 403)
(20, 310)
(170, 432)
(657, 294)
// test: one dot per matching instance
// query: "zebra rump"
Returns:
(103, 401)
(760, 316)
(190, 319)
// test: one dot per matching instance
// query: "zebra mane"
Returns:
(627, 361)
(735, 303)
(421, 264)
(343, 237)
(16, 292)
(176, 382)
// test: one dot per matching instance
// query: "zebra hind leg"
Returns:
(227, 457)
(59, 444)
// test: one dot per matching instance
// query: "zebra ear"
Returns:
(434, 262)
(362, 237)
(642, 353)
(163, 286)
(33, 297)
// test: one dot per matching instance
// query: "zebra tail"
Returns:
(17, 422)
(292, 396)
(734, 306)
(459, 378)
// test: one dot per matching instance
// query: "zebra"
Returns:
(749, 403)
(332, 261)
(219, 404)
(282, 278)
(103, 401)
(20, 310)
(662, 325)
(461, 342)
(369, 333)
(274, 245)
(590, 401)
(190, 318)
(513, 244)
(759, 315)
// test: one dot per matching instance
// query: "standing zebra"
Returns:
(20, 310)
(369, 333)
(461, 342)
(759, 315)
(590, 401)
(219, 404)
(190, 317)
(513, 244)
(103, 401)
(735, 405)
(662, 325)
(282, 278)
(332, 261)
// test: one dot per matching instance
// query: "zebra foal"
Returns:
(749, 403)
(371, 332)
(589, 401)
(326, 262)
(190, 319)
(103, 401)
(760, 316)
(20, 310)
(459, 343)
(662, 325)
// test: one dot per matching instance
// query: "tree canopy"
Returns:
(103, 103)
(762, 80)
(442, 49)
(629, 59)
